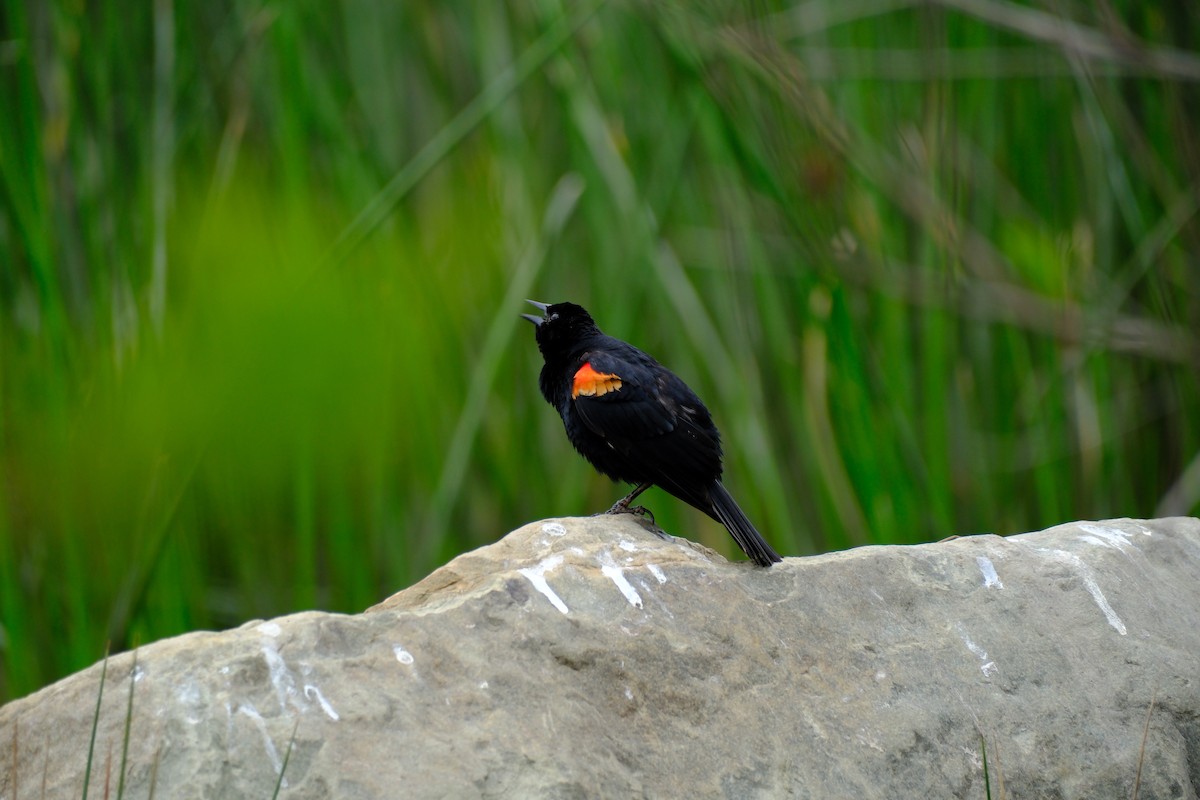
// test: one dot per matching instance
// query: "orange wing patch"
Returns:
(590, 383)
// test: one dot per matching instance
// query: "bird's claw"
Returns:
(640, 511)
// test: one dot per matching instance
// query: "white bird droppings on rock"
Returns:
(617, 576)
(312, 692)
(269, 629)
(990, 577)
(537, 576)
(1107, 536)
(1089, 582)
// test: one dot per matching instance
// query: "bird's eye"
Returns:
(552, 317)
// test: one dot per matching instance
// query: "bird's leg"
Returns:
(622, 505)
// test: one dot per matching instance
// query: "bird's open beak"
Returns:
(540, 307)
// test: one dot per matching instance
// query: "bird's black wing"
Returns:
(618, 399)
(645, 407)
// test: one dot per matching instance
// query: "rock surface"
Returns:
(590, 658)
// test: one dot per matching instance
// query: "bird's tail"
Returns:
(743, 531)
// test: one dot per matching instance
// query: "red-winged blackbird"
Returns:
(635, 420)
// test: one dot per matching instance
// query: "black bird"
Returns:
(635, 420)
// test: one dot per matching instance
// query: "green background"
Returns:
(932, 266)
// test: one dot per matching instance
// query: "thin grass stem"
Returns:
(87, 771)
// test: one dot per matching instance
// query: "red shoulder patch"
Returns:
(590, 383)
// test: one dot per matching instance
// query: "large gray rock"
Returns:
(591, 658)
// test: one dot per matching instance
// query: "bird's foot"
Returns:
(622, 507)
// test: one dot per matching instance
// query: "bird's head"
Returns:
(561, 327)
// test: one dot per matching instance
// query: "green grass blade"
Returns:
(128, 726)
(987, 780)
(286, 757)
(87, 771)
(450, 136)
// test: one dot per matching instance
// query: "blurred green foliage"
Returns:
(933, 266)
